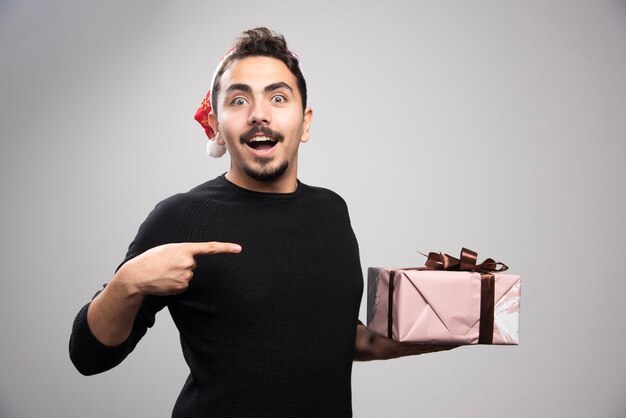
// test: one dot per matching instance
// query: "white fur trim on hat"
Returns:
(214, 149)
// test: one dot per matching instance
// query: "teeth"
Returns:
(261, 139)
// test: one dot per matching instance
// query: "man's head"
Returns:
(264, 43)
(259, 112)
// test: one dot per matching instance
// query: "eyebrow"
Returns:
(239, 86)
(279, 85)
(247, 89)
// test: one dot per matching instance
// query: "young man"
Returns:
(260, 272)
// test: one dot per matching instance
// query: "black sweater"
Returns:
(268, 332)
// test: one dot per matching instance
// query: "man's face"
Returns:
(261, 121)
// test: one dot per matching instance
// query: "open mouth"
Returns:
(261, 143)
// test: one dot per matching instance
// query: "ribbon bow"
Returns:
(467, 262)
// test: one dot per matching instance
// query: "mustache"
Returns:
(256, 130)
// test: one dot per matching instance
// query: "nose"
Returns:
(259, 114)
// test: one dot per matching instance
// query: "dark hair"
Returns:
(266, 43)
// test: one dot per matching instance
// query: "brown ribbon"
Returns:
(487, 302)
(392, 279)
(467, 262)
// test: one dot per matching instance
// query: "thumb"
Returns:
(213, 247)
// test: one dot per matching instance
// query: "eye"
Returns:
(238, 101)
(279, 99)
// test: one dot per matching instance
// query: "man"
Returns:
(269, 323)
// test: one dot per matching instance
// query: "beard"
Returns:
(266, 172)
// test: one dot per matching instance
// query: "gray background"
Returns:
(496, 125)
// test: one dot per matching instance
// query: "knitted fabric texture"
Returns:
(268, 332)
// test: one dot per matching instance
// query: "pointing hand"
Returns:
(167, 269)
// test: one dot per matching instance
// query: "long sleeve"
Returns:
(89, 355)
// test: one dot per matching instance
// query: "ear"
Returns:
(216, 128)
(306, 124)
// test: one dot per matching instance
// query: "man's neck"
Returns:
(285, 184)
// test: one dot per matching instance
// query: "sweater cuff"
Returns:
(88, 354)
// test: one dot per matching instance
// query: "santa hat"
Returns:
(202, 115)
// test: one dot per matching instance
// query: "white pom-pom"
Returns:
(214, 149)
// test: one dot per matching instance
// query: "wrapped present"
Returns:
(449, 301)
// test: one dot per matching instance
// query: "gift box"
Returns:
(450, 301)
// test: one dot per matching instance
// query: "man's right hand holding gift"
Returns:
(371, 346)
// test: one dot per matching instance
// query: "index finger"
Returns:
(213, 247)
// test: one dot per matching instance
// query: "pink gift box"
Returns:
(440, 307)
